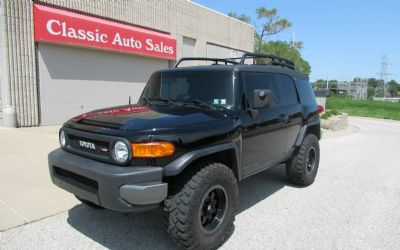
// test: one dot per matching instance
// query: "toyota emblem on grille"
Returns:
(85, 144)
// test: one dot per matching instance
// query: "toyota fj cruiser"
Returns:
(194, 134)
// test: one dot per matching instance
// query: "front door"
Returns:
(264, 136)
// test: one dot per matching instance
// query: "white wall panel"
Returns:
(75, 80)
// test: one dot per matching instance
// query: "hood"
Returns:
(148, 117)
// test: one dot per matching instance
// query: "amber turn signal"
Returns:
(153, 149)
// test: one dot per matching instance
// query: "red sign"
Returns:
(60, 26)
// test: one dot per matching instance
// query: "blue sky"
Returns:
(342, 39)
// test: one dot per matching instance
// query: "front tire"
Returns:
(201, 214)
(302, 168)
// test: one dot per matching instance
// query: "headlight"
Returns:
(120, 152)
(63, 140)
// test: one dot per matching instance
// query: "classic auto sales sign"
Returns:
(60, 26)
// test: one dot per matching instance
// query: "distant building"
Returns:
(356, 89)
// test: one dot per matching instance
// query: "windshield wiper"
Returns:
(199, 104)
(146, 100)
(158, 100)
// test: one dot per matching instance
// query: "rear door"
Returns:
(293, 118)
(263, 136)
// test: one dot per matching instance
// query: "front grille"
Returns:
(76, 180)
(101, 148)
(90, 145)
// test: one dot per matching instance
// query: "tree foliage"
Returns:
(321, 84)
(272, 24)
(285, 50)
(241, 17)
(394, 88)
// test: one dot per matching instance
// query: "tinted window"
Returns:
(305, 90)
(254, 81)
(287, 90)
(212, 87)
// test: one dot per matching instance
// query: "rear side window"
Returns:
(287, 90)
(306, 93)
(254, 81)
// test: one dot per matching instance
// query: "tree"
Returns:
(285, 50)
(333, 84)
(394, 88)
(242, 17)
(272, 24)
(372, 82)
(320, 83)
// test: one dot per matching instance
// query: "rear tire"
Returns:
(201, 214)
(89, 203)
(302, 168)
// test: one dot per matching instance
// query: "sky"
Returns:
(342, 39)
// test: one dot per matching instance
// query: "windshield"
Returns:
(212, 87)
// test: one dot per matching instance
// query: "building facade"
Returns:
(61, 58)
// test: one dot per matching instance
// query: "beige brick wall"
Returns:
(179, 17)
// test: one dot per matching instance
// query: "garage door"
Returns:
(78, 80)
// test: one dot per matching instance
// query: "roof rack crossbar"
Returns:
(225, 61)
(275, 60)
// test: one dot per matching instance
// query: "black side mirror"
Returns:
(262, 98)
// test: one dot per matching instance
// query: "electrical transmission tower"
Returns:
(359, 89)
(382, 89)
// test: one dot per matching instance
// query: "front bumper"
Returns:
(124, 189)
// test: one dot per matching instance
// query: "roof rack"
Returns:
(225, 61)
(275, 60)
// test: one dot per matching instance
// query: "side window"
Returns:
(287, 90)
(306, 92)
(254, 81)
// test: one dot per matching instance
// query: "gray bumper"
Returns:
(124, 189)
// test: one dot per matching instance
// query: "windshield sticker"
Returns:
(223, 101)
(216, 101)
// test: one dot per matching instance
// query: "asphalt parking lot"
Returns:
(354, 204)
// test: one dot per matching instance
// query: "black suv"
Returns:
(194, 134)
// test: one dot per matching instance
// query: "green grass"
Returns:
(329, 113)
(366, 108)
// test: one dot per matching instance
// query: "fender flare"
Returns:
(179, 164)
(303, 131)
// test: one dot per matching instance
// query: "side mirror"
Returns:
(262, 98)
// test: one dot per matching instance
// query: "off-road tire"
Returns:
(182, 210)
(89, 203)
(297, 168)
